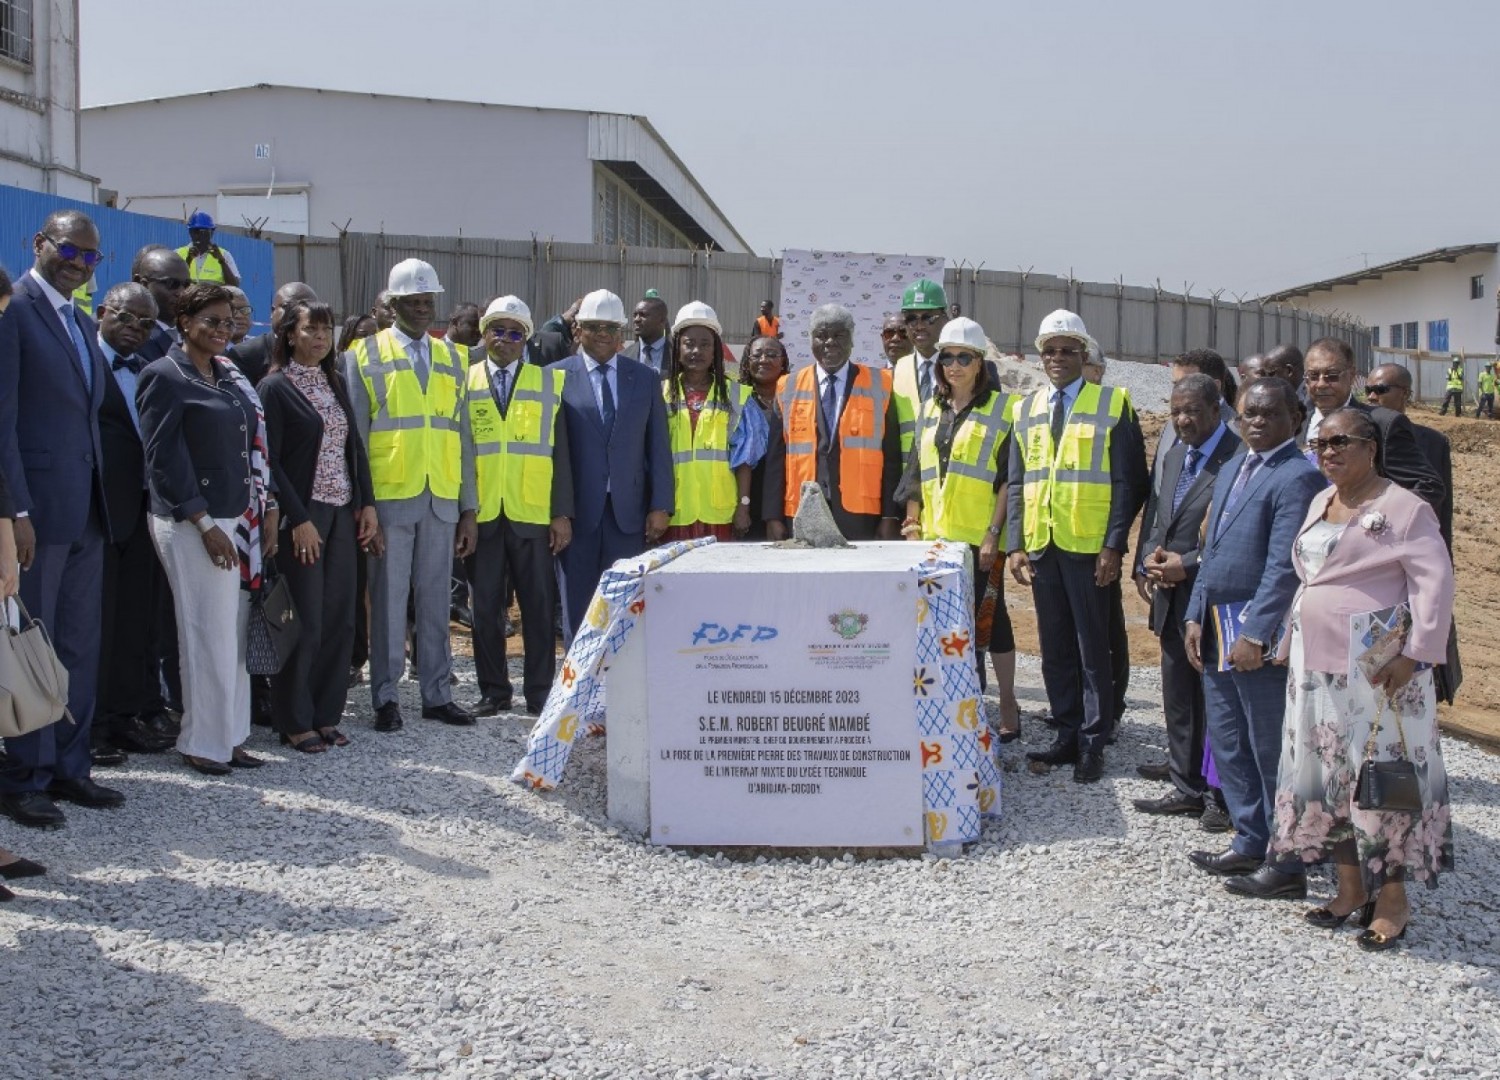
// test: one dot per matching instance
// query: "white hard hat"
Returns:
(697, 313)
(507, 307)
(412, 276)
(962, 333)
(1063, 323)
(601, 305)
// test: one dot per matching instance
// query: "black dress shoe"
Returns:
(1215, 819)
(206, 766)
(104, 756)
(1175, 803)
(490, 705)
(1268, 883)
(1090, 767)
(162, 725)
(21, 868)
(133, 733)
(461, 615)
(1154, 771)
(6, 894)
(243, 759)
(1225, 863)
(535, 708)
(1062, 752)
(85, 792)
(388, 717)
(32, 808)
(450, 713)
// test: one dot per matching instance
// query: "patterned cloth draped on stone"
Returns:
(960, 778)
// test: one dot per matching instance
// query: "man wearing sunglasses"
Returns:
(164, 274)
(924, 313)
(524, 483)
(1389, 387)
(52, 381)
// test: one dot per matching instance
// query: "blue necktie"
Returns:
(502, 390)
(1185, 481)
(419, 361)
(1059, 417)
(924, 386)
(830, 405)
(84, 359)
(606, 399)
(1247, 470)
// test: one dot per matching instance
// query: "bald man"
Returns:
(1389, 385)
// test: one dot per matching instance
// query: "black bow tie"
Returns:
(129, 362)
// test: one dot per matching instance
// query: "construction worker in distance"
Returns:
(842, 430)
(1486, 392)
(206, 260)
(766, 323)
(524, 487)
(1078, 465)
(1455, 388)
(924, 310)
(407, 389)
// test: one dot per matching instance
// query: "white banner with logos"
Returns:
(781, 709)
(869, 285)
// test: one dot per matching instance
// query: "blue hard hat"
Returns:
(200, 220)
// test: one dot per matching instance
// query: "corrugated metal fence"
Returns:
(1429, 373)
(1131, 322)
(121, 235)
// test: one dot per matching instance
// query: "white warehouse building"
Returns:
(313, 162)
(39, 119)
(1440, 302)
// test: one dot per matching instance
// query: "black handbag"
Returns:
(1387, 785)
(274, 625)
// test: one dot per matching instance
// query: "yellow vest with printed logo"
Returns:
(414, 443)
(961, 505)
(513, 453)
(707, 490)
(205, 267)
(1066, 492)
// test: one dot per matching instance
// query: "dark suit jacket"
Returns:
(1248, 555)
(829, 465)
(198, 439)
(124, 464)
(633, 350)
(49, 418)
(1180, 531)
(1401, 458)
(1439, 453)
(294, 433)
(634, 460)
(253, 357)
(157, 345)
(548, 347)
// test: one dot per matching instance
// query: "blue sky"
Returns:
(1241, 147)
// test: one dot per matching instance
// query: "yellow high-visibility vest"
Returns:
(961, 505)
(1455, 378)
(908, 390)
(513, 453)
(205, 267)
(1486, 381)
(414, 441)
(1066, 492)
(705, 484)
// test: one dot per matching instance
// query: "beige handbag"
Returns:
(33, 682)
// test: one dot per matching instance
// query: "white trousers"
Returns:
(213, 613)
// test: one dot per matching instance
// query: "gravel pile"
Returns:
(1150, 385)
(400, 909)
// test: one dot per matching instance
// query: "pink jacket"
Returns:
(1367, 571)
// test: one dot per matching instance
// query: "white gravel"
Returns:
(398, 908)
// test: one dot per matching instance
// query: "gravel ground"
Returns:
(398, 908)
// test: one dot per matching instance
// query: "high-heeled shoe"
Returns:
(1010, 736)
(21, 868)
(1324, 919)
(1374, 941)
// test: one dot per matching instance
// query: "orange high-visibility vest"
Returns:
(767, 327)
(861, 436)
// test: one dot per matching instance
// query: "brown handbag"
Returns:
(33, 682)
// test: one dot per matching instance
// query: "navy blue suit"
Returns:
(50, 454)
(1247, 556)
(619, 476)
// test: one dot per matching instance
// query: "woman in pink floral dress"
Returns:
(1369, 554)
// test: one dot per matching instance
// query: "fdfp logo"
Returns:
(712, 633)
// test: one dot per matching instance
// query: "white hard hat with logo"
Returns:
(412, 276)
(963, 333)
(697, 313)
(507, 307)
(601, 305)
(1063, 323)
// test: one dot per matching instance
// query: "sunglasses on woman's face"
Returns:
(962, 359)
(1335, 442)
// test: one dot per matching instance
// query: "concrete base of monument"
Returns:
(766, 700)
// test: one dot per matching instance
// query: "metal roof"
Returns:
(1372, 273)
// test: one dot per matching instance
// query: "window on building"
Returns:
(1398, 337)
(1476, 287)
(1411, 336)
(15, 30)
(1437, 335)
(622, 217)
(1375, 337)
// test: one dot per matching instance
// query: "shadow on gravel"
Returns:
(151, 1024)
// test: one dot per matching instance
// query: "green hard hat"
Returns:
(924, 294)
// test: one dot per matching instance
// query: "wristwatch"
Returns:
(744, 500)
(993, 530)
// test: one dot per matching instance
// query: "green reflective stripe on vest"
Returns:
(513, 455)
(707, 489)
(1067, 488)
(961, 505)
(414, 441)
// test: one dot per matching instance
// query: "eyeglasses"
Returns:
(1062, 350)
(963, 359)
(214, 323)
(70, 252)
(599, 327)
(1335, 442)
(767, 354)
(921, 318)
(1381, 388)
(239, 310)
(893, 331)
(506, 335)
(1324, 376)
(175, 284)
(125, 318)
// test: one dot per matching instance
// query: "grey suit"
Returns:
(419, 534)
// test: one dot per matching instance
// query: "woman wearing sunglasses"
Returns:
(955, 480)
(213, 519)
(1369, 554)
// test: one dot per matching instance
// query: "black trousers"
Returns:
(503, 561)
(130, 628)
(359, 653)
(1072, 622)
(1182, 704)
(313, 687)
(1457, 398)
(1119, 653)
